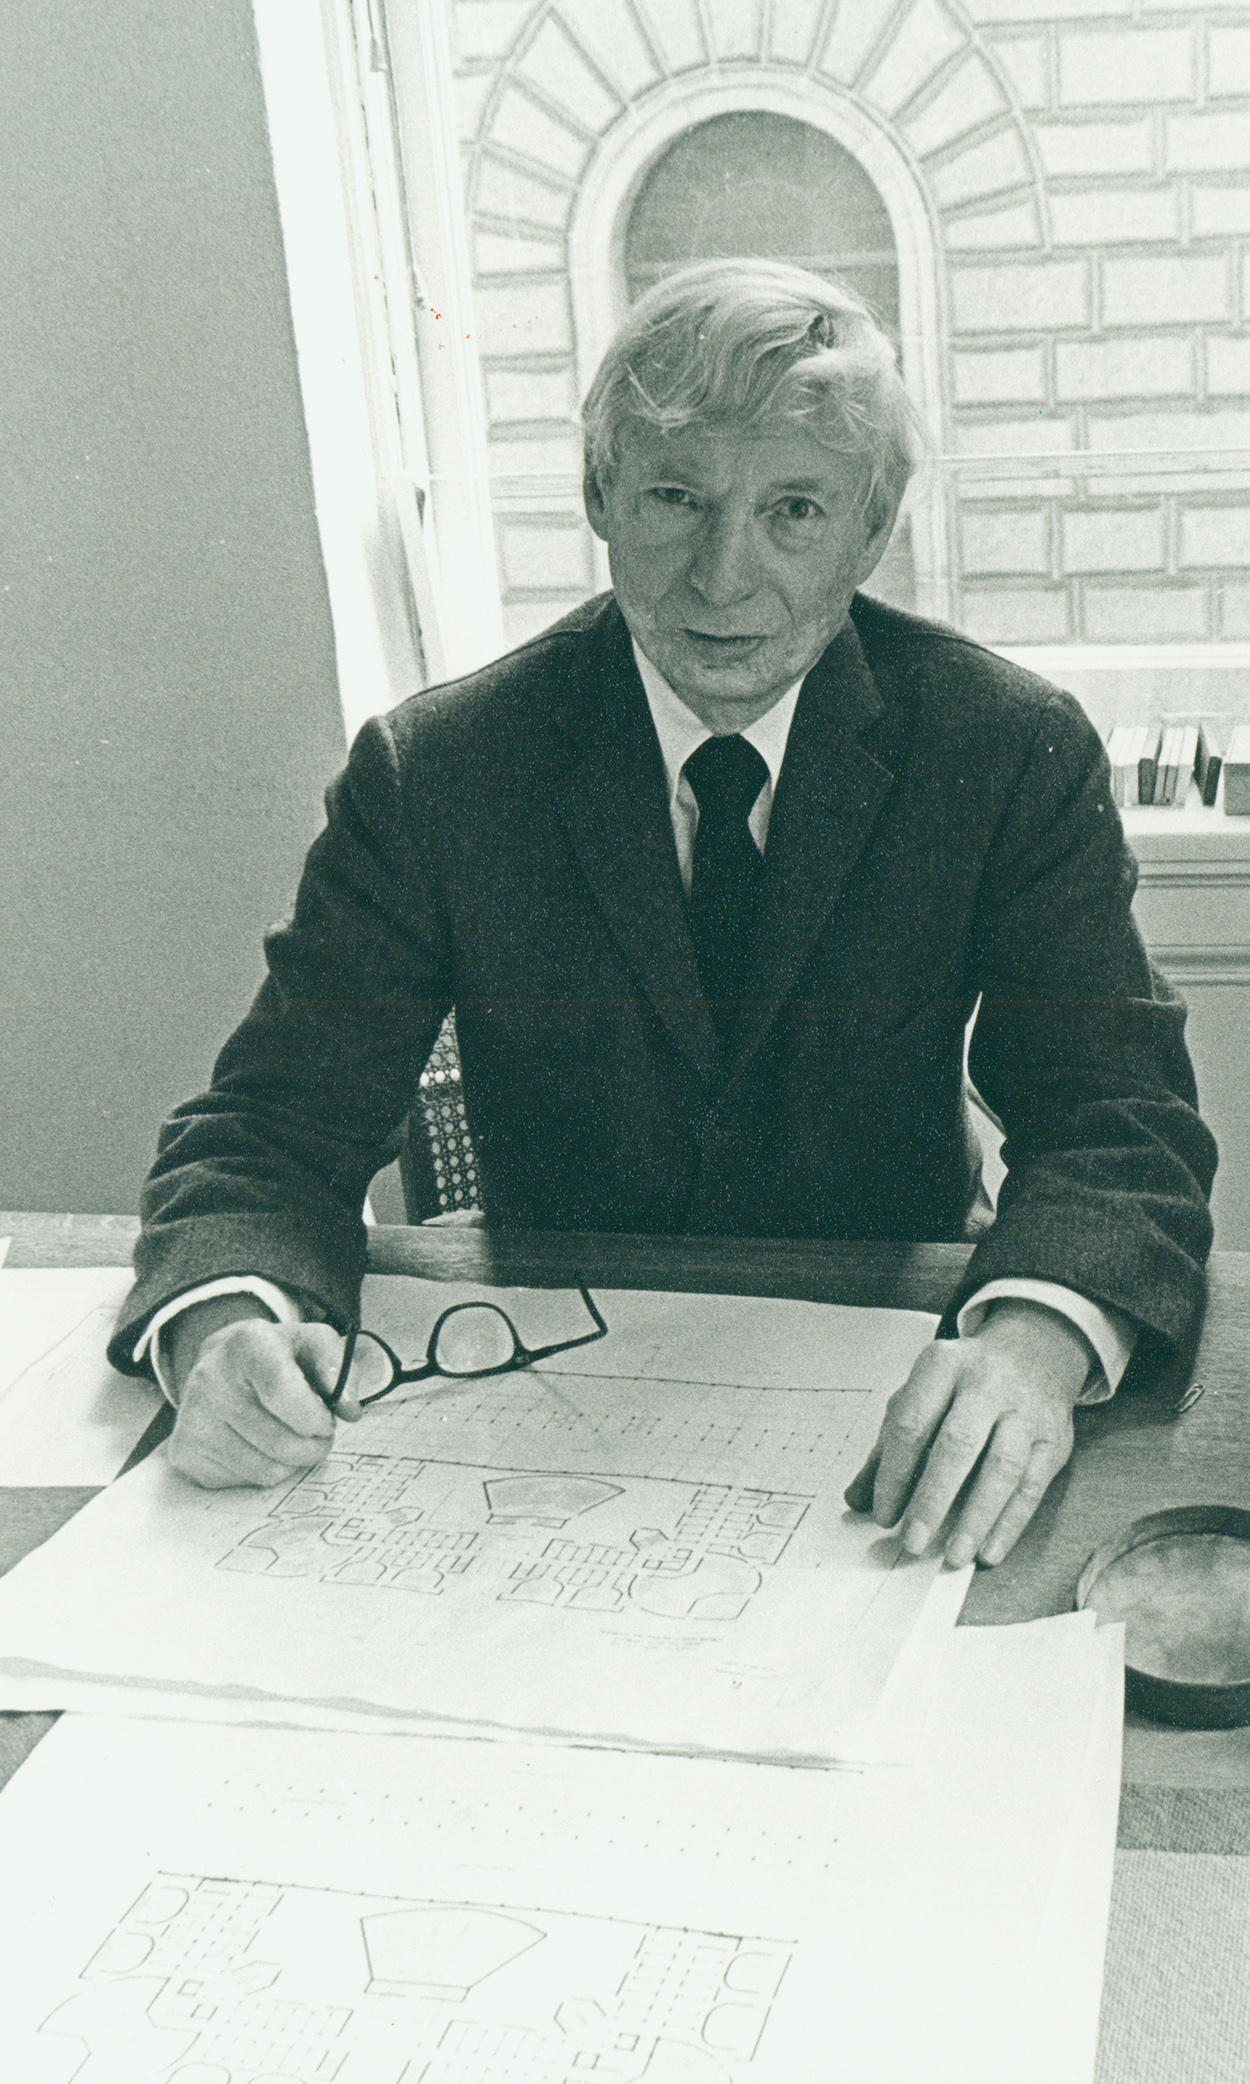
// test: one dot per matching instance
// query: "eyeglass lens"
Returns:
(472, 1339)
(373, 1371)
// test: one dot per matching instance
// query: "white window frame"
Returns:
(382, 316)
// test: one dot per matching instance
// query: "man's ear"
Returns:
(595, 504)
(879, 527)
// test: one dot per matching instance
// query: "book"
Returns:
(1165, 766)
(1144, 752)
(1148, 765)
(1122, 756)
(1237, 773)
(1186, 760)
(1207, 764)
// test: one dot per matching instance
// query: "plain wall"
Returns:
(166, 656)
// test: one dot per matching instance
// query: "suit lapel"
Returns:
(829, 793)
(615, 811)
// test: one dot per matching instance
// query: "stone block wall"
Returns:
(1081, 173)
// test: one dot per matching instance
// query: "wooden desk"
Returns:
(1186, 1793)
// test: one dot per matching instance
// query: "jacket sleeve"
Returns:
(1079, 1048)
(266, 1173)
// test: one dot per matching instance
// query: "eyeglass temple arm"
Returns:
(564, 1345)
(335, 1397)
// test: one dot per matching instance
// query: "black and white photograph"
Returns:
(625, 1268)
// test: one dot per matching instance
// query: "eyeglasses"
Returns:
(474, 1338)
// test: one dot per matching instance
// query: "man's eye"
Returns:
(672, 495)
(799, 509)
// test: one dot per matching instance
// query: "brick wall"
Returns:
(1085, 167)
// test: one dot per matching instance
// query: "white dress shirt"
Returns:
(1110, 1335)
(681, 733)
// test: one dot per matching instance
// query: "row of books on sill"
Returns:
(1156, 763)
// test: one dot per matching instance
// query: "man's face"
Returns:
(734, 553)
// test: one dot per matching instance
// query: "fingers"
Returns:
(1011, 1478)
(970, 1433)
(1044, 1465)
(289, 1377)
(218, 1459)
(948, 1465)
(318, 1351)
(250, 1413)
(914, 1415)
(858, 1493)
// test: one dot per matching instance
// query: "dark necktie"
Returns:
(726, 775)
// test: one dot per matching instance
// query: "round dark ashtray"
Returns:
(1180, 1582)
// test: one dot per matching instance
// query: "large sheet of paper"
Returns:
(638, 1558)
(65, 1416)
(1058, 2037)
(977, 1913)
(892, 1734)
(208, 1903)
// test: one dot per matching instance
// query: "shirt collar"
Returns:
(679, 730)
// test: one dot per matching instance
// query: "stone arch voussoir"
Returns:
(589, 93)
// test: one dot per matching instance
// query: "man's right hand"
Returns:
(248, 1411)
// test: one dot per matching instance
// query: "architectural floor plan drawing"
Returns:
(583, 1422)
(194, 1904)
(719, 1387)
(254, 1982)
(657, 1560)
(750, 1618)
(675, 1551)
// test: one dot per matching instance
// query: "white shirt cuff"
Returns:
(1111, 1334)
(284, 1307)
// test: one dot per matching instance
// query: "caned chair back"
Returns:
(437, 1164)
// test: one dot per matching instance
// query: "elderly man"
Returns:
(715, 873)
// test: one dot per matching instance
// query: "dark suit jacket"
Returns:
(942, 830)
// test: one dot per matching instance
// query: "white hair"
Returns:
(741, 342)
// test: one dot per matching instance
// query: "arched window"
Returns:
(766, 185)
(770, 186)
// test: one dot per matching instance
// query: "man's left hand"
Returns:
(994, 1408)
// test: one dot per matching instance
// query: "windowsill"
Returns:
(1186, 832)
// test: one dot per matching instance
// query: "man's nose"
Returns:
(723, 568)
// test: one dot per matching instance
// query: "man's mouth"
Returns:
(725, 647)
